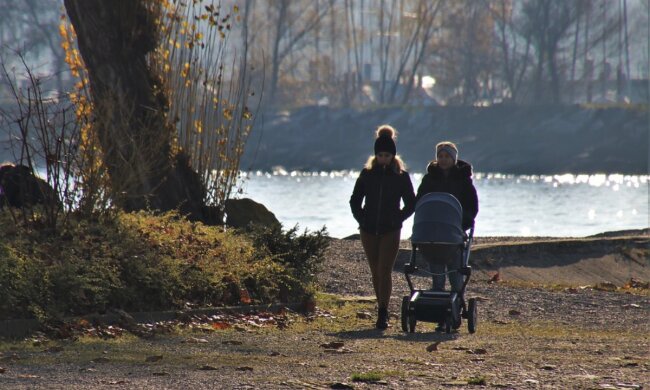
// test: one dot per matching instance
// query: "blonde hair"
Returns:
(396, 164)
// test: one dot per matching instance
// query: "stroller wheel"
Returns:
(455, 317)
(472, 314)
(405, 313)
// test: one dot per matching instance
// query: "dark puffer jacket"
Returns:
(458, 183)
(382, 189)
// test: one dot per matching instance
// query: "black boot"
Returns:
(382, 318)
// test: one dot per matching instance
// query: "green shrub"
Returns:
(143, 262)
(301, 254)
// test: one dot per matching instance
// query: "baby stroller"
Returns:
(438, 220)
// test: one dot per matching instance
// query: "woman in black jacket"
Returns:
(449, 174)
(383, 183)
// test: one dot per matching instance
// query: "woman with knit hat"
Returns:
(383, 182)
(449, 174)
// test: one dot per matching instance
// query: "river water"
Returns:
(510, 205)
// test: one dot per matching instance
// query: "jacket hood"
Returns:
(462, 169)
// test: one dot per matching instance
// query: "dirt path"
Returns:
(529, 337)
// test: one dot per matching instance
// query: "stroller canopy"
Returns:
(438, 219)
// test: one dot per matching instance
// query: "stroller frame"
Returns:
(443, 307)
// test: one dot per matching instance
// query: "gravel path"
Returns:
(346, 272)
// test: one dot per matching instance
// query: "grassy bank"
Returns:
(143, 262)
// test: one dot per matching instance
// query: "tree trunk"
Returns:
(276, 57)
(114, 39)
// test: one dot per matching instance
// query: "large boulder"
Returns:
(19, 187)
(240, 213)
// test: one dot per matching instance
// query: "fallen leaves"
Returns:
(199, 322)
(495, 278)
(220, 325)
(635, 283)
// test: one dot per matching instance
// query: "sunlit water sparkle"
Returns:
(519, 205)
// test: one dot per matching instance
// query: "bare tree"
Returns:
(31, 27)
(514, 60)
(293, 22)
(547, 23)
(415, 48)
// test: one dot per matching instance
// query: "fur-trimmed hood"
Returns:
(461, 170)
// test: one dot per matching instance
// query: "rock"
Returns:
(240, 213)
(19, 187)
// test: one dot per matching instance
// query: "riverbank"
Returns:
(505, 139)
(610, 258)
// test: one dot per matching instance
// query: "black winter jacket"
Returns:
(382, 189)
(458, 183)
